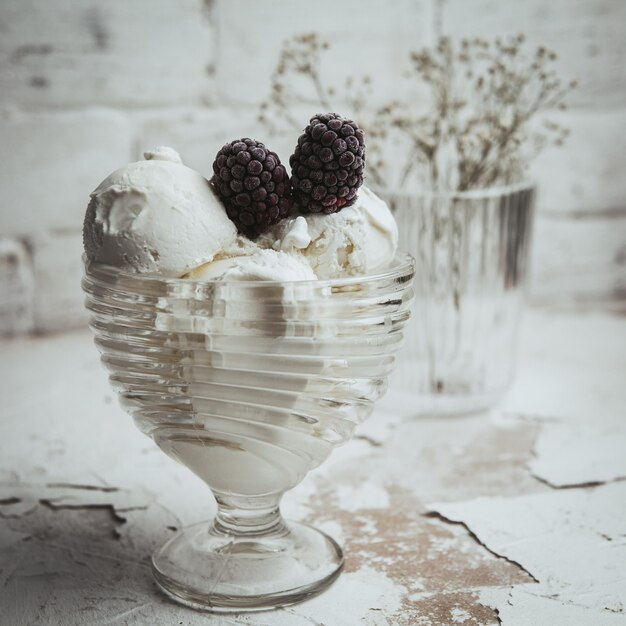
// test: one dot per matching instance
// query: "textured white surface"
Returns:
(566, 456)
(522, 607)
(571, 368)
(571, 542)
(84, 498)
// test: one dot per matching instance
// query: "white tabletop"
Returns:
(517, 516)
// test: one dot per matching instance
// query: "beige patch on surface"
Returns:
(439, 565)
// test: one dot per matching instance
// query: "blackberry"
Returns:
(252, 184)
(327, 164)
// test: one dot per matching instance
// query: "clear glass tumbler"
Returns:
(472, 253)
(250, 385)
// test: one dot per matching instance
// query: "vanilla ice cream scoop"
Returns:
(156, 215)
(358, 239)
(246, 261)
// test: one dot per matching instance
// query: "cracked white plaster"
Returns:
(571, 367)
(23, 498)
(364, 593)
(379, 430)
(459, 616)
(364, 496)
(61, 424)
(9, 538)
(522, 606)
(13, 506)
(567, 455)
(11, 549)
(572, 541)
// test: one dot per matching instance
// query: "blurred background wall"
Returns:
(87, 85)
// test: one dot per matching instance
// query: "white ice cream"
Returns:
(156, 216)
(358, 239)
(247, 261)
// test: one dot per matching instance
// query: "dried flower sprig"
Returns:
(299, 55)
(476, 133)
(484, 94)
(297, 79)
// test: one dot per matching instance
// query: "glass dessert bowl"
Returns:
(250, 385)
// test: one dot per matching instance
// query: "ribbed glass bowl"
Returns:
(250, 385)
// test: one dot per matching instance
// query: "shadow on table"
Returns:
(69, 565)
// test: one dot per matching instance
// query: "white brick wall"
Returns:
(52, 161)
(197, 134)
(367, 37)
(58, 302)
(87, 85)
(588, 35)
(17, 288)
(579, 260)
(68, 53)
(586, 175)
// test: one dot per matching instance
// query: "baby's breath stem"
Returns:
(477, 132)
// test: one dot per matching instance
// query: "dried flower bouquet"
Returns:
(477, 129)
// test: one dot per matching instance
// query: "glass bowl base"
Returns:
(215, 572)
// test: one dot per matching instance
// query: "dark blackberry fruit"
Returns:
(327, 164)
(252, 184)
